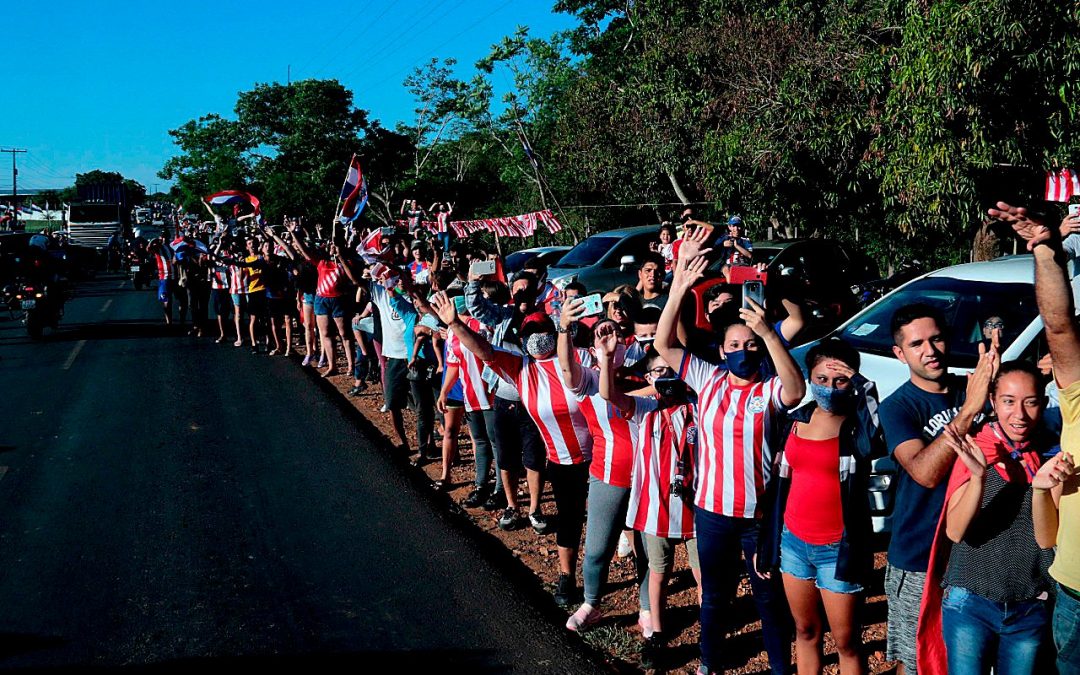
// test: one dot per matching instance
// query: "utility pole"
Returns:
(14, 184)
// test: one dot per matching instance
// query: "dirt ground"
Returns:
(618, 634)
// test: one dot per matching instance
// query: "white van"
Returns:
(967, 295)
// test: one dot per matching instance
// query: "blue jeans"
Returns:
(813, 562)
(981, 634)
(605, 519)
(482, 429)
(1067, 633)
(720, 539)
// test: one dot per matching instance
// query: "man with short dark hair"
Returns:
(913, 418)
(651, 280)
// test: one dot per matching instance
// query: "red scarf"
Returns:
(1015, 463)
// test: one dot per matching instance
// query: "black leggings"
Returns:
(570, 486)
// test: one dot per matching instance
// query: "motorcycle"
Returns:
(42, 306)
(140, 273)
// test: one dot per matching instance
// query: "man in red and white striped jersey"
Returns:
(736, 413)
(165, 274)
(555, 410)
(609, 483)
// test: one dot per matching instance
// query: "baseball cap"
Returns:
(537, 322)
(734, 220)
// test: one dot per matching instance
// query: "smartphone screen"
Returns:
(482, 268)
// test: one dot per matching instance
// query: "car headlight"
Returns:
(880, 482)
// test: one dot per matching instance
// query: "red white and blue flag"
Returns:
(234, 197)
(373, 247)
(1061, 185)
(354, 192)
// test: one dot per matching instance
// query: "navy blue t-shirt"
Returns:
(911, 413)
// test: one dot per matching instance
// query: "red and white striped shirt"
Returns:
(329, 277)
(420, 271)
(613, 435)
(550, 403)
(238, 280)
(164, 267)
(662, 436)
(442, 218)
(219, 277)
(470, 369)
(734, 424)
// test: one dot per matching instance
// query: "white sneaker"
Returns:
(644, 621)
(624, 546)
(583, 618)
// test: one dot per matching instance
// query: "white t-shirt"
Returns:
(393, 327)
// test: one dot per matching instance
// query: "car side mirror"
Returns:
(626, 262)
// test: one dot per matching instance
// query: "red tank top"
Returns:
(814, 512)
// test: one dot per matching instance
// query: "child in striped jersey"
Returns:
(661, 494)
(609, 479)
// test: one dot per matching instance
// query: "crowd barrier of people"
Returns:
(656, 433)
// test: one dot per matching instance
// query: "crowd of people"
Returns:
(656, 430)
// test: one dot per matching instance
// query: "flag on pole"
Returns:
(354, 192)
(373, 246)
(528, 150)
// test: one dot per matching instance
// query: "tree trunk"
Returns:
(678, 188)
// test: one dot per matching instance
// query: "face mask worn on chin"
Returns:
(540, 345)
(831, 399)
(743, 363)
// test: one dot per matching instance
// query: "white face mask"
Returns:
(540, 345)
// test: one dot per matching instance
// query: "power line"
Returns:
(369, 62)
(385, 53)
(447, 43)
(329, 44)
(355, 38)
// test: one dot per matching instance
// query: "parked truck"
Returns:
(101, 211)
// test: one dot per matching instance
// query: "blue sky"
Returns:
(99, 84)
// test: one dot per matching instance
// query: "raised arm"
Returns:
(568, 360)
(966, 500)
(688, 269)
(606, 343)
(1052, 290)
(298, 243)
(791, 378)
(470, 339)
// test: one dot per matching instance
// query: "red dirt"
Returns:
(620, 603)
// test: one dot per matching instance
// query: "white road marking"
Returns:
(122, 284)
(74, 353)
(104, 308)
(3, 471)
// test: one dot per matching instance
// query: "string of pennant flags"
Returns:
(512, 226)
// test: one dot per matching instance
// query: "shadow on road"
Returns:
(15, 333)
(472, 661)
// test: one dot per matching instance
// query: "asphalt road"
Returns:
(169, 504)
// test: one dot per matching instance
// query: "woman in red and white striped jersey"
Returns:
(558, 417)
(737, 411)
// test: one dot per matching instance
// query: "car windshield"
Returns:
(966, 305)
(588, 252)
(516, 260)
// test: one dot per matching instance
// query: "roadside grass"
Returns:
(614, 640)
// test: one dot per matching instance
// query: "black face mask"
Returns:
(524, 297)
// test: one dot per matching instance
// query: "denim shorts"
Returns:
(332, 307)
(813, 562)
(308, 299)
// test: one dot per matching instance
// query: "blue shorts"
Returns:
(239, 301)
(813, 562)
(332, 307)
(309, 299)
(163, 290)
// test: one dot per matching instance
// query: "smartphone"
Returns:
(1074, 209)
(482, 268)
(388, 231)
(594, 304)
(753, 290)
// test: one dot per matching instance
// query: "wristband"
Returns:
(1038, 491)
